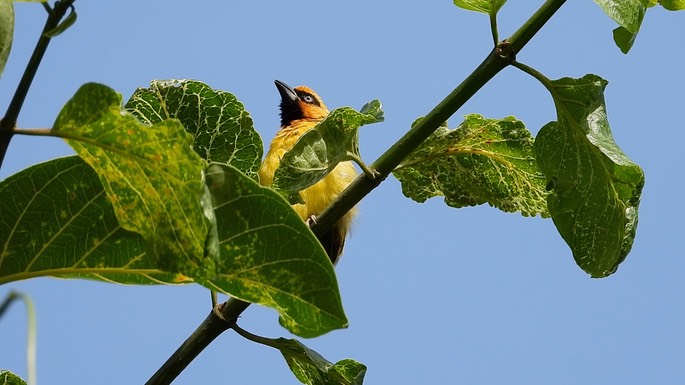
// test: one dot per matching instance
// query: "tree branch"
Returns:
(387, 162)
(220, 319)
(8, 122)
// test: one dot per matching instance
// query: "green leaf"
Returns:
(222, 129)
(57, 221)
(311, 368)
(320, 149)
(270, 256)
(595, 187)
(483, 160)
(6, 31)
(627, 13)
(9, 378)
(624, 39)
(673, 5)
(63, 26)
(150, 173)
(483, 6)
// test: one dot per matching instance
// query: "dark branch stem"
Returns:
(220, 319)
(8, 122)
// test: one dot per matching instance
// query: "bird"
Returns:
(301, 110)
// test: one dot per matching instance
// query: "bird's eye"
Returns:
(308, 98)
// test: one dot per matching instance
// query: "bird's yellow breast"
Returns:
(318, 196)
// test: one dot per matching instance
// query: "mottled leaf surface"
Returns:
(56, 220)
(270, 256)
(320, 149)
(481, 161)
(151, 174)
(9, 378)
(484, 6)
(223, 131)
(595, 187)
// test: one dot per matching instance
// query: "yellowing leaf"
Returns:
(481, 161)
(151, 175)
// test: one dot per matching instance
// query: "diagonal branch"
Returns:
(497, 60)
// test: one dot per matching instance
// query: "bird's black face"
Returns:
(296, 103)
(290, 109)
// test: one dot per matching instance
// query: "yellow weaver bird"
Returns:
(301, 110)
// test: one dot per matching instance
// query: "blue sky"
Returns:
(433, 294)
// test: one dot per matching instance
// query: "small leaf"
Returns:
(311, 368)
(320, 149)
(483, 160)
(624, 39)
(63, 26)
(269, 255)
(150, 173)
(629, 15)
(222, 129)
(483, 6)
(673, 5)
(6, 31)
(9, 378)
(596, 187)
(57, 221)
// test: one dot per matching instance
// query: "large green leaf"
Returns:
(483, 160)
(222, 129)
(595, 187)
(483, 6)
(6, 31)
(151, 174)
(270, 256)
(56, 220)
(320, 149)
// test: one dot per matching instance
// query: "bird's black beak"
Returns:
(288, 95)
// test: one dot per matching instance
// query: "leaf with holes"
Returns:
(481, 161)
(223, 131)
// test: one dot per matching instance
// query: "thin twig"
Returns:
(8, 122)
